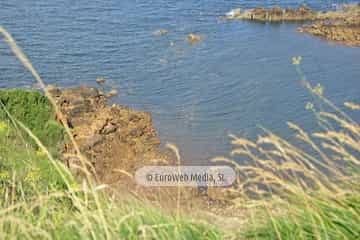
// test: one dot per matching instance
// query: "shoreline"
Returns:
(117, 141)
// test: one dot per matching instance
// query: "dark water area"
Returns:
(239, 78)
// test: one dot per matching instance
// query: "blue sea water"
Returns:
(239, 78)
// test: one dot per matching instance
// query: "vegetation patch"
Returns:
(313, 218)
(35, 111)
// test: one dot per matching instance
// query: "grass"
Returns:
(38, 203)
(308, 190)
(36, 112)
(314, 218)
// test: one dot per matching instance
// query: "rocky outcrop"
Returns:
(344, 31)
(274, 14)
(341, 25)
(115, 139)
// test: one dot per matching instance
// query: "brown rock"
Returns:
(137, 132)
(346, 32)
(109, 128)
(100, 80)
(303, 10)
(53, 90)
(112, 93)
(93, 141)
(277, 11)
(194, 38)
(341, 26)
(112, 137)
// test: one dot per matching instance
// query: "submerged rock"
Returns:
(194, 38)
(160, 32)
(112, 93)
(100, 80)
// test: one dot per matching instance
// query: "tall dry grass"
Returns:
(307, 188)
